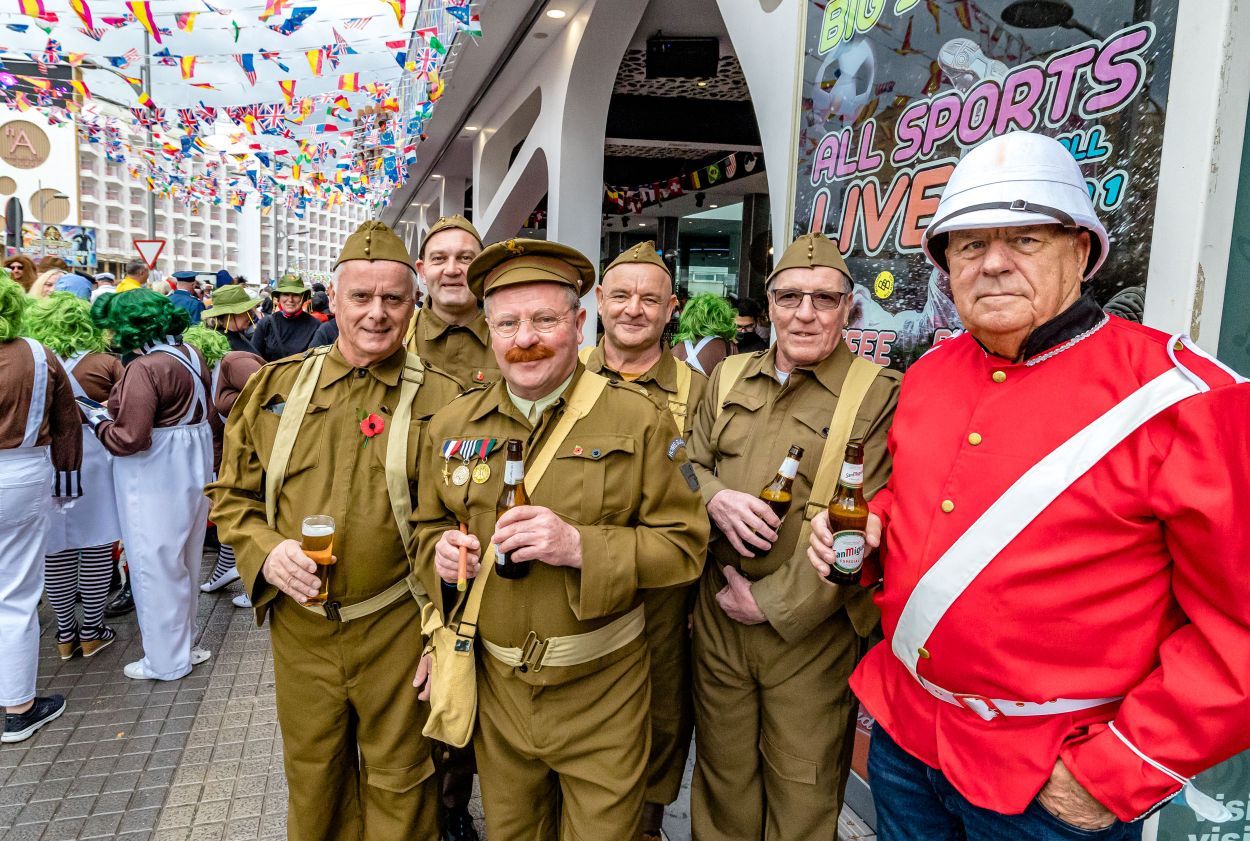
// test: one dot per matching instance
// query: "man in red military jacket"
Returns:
(1067, 632)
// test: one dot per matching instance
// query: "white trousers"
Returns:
(25, 497)
(164, 513)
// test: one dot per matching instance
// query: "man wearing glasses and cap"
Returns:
(563, 689)
(449, 330)
(773, 645)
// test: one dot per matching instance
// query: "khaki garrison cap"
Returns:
(643, 252)
(518, 261)
(374, 241)
(809, 251)
(445, 222)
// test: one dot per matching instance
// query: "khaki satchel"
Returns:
(453, 676)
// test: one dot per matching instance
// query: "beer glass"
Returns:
(317, 542)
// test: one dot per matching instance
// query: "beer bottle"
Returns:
(512, 495)
(848, 517)
(777, 492)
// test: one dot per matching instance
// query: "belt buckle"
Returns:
(532, 653)
(979, 704)
(332, 611)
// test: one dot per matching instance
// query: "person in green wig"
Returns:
(157, 426)
(705, 332)
(79, 554)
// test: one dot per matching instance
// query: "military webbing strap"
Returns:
(731, 368)
(396, 461)
(584, 397)
(288, 428)
(679, 404)
(859, 379)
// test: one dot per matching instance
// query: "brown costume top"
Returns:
(62, 423)
(462, 350)
(741, 446)
(97, 373)
(660, 380)
(234, 369)
(640, 524)
(155, 391)
(333, 470)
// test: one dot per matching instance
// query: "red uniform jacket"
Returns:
(1132, 583)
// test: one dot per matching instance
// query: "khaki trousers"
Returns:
(566, 761)
(672, 707)
(357, 766)
(773, 723)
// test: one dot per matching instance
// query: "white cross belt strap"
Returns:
(991, 708)
(1009, 515)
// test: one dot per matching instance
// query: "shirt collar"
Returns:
(532, 410)
(1083, 316)
(387, 371)
(432, 327)
(829, 372)
(663, 373)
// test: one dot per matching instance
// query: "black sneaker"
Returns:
(458, 825)
(18, 727)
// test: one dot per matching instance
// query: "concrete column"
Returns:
(451, 196)
(756, 211)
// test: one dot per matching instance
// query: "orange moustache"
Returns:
(529, 354)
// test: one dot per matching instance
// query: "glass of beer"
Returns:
(317, 542)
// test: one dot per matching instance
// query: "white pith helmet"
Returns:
(1017, 179)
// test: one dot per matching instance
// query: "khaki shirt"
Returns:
(463, 351)
(640, 524)
(333, 470)
(660, 381)
(742, 448)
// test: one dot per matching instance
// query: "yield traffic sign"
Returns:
(149, 250)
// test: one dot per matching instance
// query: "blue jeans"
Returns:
(917, 803)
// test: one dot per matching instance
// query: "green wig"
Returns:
(213, 345)
(62, 322)
(707, 315)
(12, 301)
(137, 318)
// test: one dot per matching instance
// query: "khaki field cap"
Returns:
(291, 283)
(374, 241)
(517, 261)
(230, 300)
(809, 251)
(643, 252)
(445, 222)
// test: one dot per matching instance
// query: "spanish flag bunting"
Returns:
(83, 11)
(316, 60)
(203, 86)
(272, 7)
(32, 8)
(349, 82)
(76, 59)
(186, 20)
(142, 10)
(36, 82)
(146, 101)
(288, 89)
(399, 7)
(187, 64)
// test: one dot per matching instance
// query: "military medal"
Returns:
(481, 473)
(450, 447)
(468, 451)
(460, 475)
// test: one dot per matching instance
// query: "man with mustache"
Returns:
(335, 432)
(563, 689)
(773, 647)
(449, 330)
(636, 301)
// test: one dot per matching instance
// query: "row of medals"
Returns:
(468, 450)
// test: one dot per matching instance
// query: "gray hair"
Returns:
(574, 300)
(338, 270)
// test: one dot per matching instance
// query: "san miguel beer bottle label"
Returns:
(848, 517)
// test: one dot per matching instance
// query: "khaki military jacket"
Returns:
(612, 479)
(660, 381)
(741, 446)
(334, 469)
(463, 351)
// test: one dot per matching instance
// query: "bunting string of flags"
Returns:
(633, 199)
(351, 143)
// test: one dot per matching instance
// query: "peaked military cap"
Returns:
(643, 252)
(809, 251)
(185, 277)
(518, 261)
(445, 222)
(374, 241)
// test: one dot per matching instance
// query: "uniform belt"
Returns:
(15, 453)
(572, 650)
(359, 610)
(991, 708)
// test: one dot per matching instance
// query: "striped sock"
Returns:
(95, 574)
(61, 585)
(225, 562)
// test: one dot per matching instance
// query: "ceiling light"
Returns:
(436, 177)
(556, 14)
(713, 206)
(470, 128)
(701, 83)
(642, 224)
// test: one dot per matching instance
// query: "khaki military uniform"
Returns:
(463, 351)
(772, 707)
(356, 764)
(566, 746)
(668, 610)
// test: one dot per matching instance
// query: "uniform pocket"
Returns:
(400, 780)
(606, 488)
(787, 766)
(21, 503)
